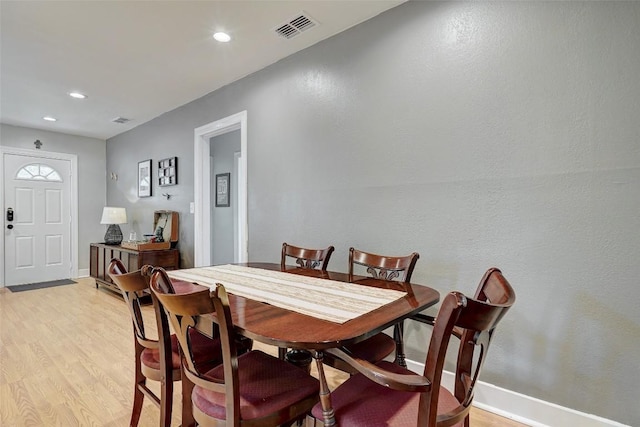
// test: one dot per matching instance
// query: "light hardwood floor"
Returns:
(66, 359)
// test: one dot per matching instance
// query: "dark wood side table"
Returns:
(101, 255)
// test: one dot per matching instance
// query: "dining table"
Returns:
(309, 309)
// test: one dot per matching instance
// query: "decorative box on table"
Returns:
(165, 228)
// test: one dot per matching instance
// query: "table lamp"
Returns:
(113, 217)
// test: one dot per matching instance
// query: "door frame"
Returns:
(237, 252)
(73, 195)
(202, 187)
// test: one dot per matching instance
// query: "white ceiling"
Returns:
(140, 59)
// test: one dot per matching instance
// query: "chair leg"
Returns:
(187, 407)
(138, 398)
(166, 402)
(398, 336)
(139, 384)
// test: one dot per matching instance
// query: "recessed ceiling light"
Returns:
(50, 119)
(222, 37)
(77, 95)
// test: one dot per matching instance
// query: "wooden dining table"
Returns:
(281, 327)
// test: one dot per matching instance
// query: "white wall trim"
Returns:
(522, 408)
(202, 187)
(237, 165)
(73, 239)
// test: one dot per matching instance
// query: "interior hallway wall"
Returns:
(92, 179)
(222, 149)
(478, 134)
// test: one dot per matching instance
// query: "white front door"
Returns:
(37, 192)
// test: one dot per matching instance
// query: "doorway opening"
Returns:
(202, 189)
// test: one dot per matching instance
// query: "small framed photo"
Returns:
(222, 190)
(144, 178)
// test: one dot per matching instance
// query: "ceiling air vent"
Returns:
(301, 22)
(120, 120)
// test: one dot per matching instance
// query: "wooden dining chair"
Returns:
(306, 258)
(156, 360)
(381, 345)
(313, 259)
(251, 389)
(386, 394)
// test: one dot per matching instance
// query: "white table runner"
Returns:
(325, 299)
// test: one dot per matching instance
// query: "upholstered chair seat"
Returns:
(265, 385)
(373, 349)
(365, 403)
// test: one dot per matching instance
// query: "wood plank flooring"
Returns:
(66, 359)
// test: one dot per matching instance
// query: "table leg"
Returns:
(325, 394)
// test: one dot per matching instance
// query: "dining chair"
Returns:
(156, 360)
(306, 258)
(381, 345)
(313, 259)
(251, 389)
(386, 394)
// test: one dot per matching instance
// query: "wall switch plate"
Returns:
(192, 207)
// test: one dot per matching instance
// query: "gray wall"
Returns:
(478, 134)
(91, 154)
(222, 150)
(166, 136)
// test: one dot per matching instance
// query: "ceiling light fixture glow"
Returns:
(50, 119)
(222, 37)
(77, 95)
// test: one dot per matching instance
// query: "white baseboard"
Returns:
(522, 408)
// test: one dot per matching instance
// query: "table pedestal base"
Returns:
(299, 358)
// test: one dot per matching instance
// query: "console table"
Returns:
(101, 255)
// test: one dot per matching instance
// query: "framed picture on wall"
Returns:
(144, 178)
(168, 172)
(222, 190)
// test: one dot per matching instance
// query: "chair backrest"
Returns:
(306, 258)
(132, 286)
(383, 267)
(477, 320)
(184, 311)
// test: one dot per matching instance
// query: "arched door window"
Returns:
(38, 172)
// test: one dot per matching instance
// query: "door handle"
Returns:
(10, 226)
(9, 214)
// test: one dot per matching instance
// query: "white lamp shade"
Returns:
(113, 216)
